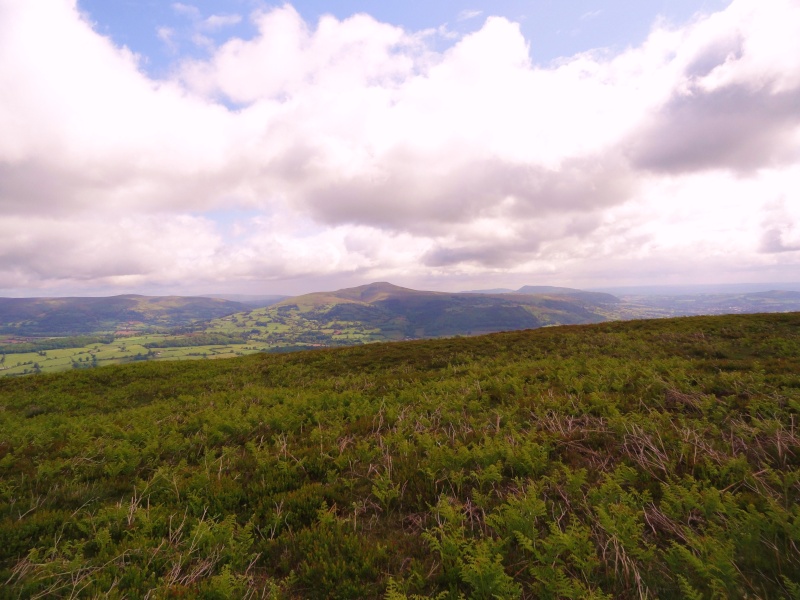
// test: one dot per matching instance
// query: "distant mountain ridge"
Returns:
(51, 334)
(697, 289)
(402, 312)
(388, 310)
(717, 303)
(76, 315)
(252, 300)
(549, 290)
(385, 310)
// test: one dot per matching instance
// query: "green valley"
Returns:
(40, 335)
(370, 313)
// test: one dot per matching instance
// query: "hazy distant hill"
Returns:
(251, 300)
(673, 301)
(549, 290)
(696, 289)
(489, 291)
(593, 297)
(647, 305)
(70, 316)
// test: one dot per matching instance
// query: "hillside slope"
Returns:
(601, 298)
(394, 312)
(75, 316)
(633, 459)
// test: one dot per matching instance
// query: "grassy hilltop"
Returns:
(633, 459)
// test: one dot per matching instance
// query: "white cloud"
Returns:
(167, 35)
(288, 56)
(186, 10)
(368, 154)
(88, 248)
(200, 30)
(468, 14)
(219, 21)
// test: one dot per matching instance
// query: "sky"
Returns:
(245, 147)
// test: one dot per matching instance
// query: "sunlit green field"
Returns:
(147, 347)
(122, 350)
(261, 330)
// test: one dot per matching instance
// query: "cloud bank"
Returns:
(350, 150)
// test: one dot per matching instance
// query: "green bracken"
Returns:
(642, 459)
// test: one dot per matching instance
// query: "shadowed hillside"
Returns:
(73, 316)
(401, 312)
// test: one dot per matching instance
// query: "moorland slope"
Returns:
(632, 459)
